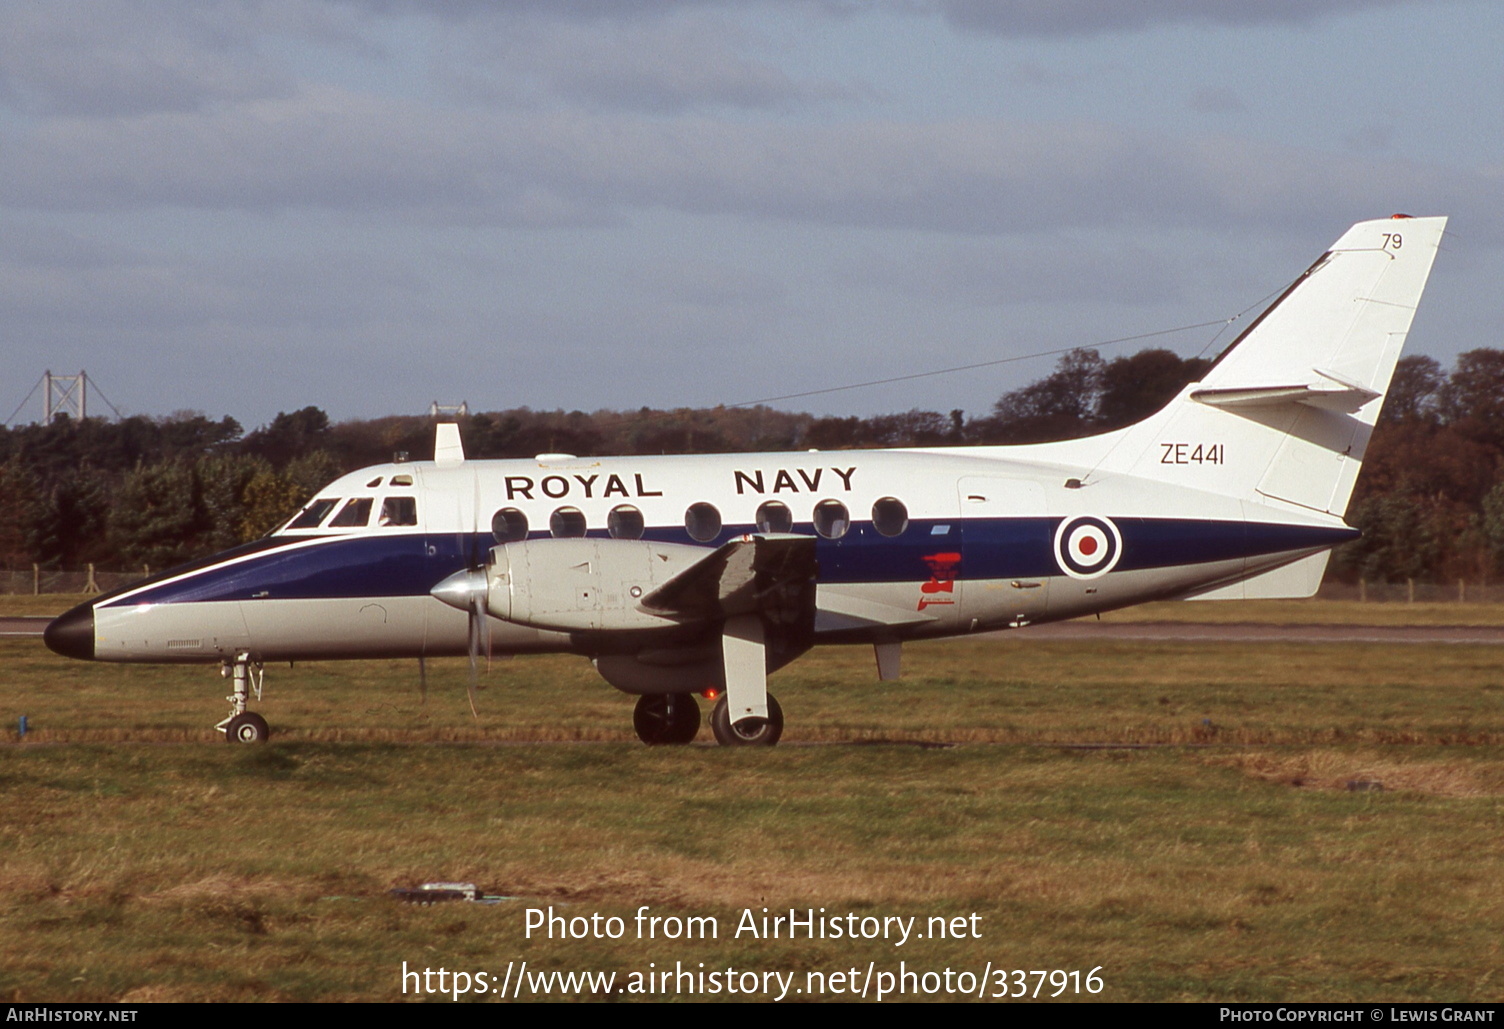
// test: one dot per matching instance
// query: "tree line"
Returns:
(158, 491)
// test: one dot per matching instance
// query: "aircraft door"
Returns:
(1005, 551)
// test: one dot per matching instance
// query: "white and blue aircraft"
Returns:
(690, 575)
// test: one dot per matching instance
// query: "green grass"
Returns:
(222, 874)
(998, 690)
(1238, 868)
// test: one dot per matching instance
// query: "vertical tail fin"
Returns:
(1285, 414)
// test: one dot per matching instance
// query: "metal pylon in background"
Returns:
(66, 394)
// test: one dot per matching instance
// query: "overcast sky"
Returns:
(248, 207)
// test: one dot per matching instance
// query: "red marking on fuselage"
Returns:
(942, 579)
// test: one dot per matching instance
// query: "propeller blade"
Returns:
(477, 615)
(486, 628)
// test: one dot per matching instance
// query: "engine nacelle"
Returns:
(687, 671)
(583, 585)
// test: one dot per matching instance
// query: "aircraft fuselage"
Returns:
(909, 545)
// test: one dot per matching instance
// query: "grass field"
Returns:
(143, 859)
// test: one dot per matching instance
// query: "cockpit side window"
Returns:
(355, 514)
(399, 511)
(314, 513)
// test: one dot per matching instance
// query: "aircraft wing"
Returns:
(757, 573)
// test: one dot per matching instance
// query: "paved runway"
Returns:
(1252, 632)
(22, 626)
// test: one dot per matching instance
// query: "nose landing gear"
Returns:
(248, 727)
(243, 726)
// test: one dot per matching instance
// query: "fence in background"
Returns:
(58, 580)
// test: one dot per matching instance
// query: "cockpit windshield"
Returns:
(314, 513)
(355, 514)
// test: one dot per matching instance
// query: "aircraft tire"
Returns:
(749, 732)
(248, 728)
(666, 719)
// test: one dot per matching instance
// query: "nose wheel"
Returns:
(247, 728)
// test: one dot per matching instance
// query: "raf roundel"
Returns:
(1087, 546)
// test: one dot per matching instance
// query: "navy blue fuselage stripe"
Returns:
(398, 565)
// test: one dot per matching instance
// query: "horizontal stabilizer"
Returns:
(1335, 394)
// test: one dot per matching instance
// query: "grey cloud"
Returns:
(616, 10)
(329, 148)
(60, 280)
(110, 58)
(692, 62)
(1371, 138)
(1217, 100)
(1066, 268)
(1096, 17)
(706, 284)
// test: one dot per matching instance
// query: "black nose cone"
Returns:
(71, 634)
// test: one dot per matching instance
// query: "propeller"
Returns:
(466, 590)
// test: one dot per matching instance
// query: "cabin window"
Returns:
(374, 483)
(703, 522)
(890, 517)
(625, 523)
(402, 480)
(509, 525)
(353, 515)
(832, 519)
(774, 516)
(567, 523)
(399, 511)
(313, 513)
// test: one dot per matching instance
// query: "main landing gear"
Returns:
(673, 719)
(666, 719)
(243, 726)
(750, 731)
(745, 715)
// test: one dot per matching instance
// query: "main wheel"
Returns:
(666, 718)
(248, 727)
(749, 732)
